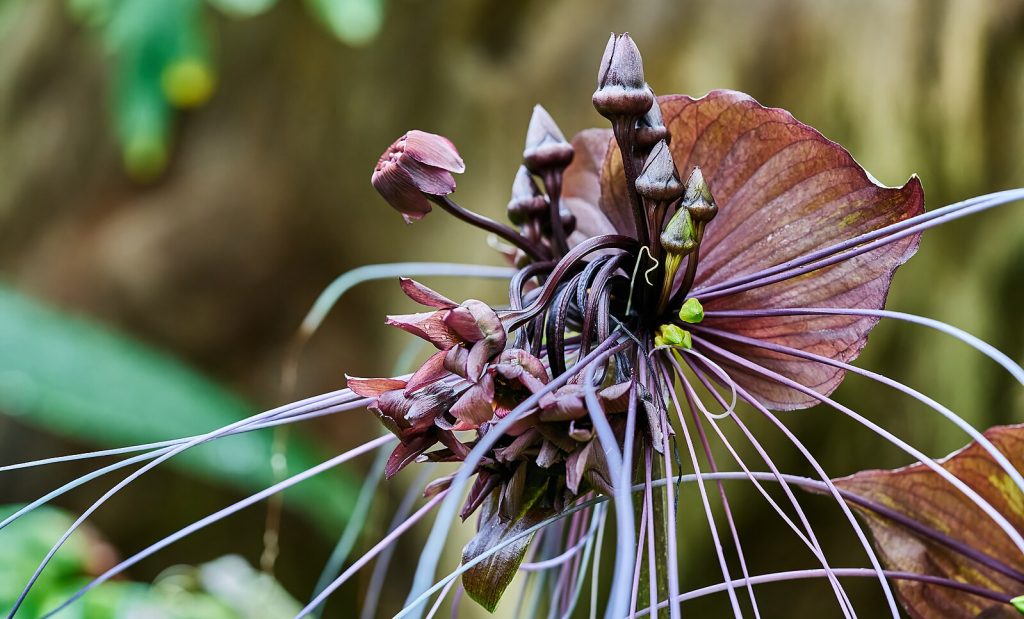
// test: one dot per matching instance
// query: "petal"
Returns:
(427, 325)
(784, 190)
(429, 180)
(473, 408)
(918, 492)
(372, 387)
(432, 370)
(423, 295)
(433, 150)
(406, 452)
(581, 185)
(397, 188)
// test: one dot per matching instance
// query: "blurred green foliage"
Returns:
(226, 588)
(161, 59)
(77, 379)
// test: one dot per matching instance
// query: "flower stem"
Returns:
(486, 223)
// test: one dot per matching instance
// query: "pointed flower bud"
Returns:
(527, 201)
(679, 236)
(658, 181)
(621, 90)
(416, 165)
(546, 147)
(650, 129)
(697, 199)
(691, 311)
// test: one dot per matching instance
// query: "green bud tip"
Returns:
(1018, 603)
(691, 311)
(671, 335)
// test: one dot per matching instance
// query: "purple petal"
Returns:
(433, 150)
(372, 387)
(783, 190)
(423, 295)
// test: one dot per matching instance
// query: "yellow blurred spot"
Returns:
(188, 82)
(145, 157)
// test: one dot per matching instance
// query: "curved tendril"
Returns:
(721, 373)
(978, 344)
(563, 558)
(855, 525)
(810, 540)
(599, 516)
(566, 265)
(380, 569)
(970, 493)
(670, 497)
(440, 599)
(552, 520)
(691, 395)
(354, 526)
(313, 403)
(723, 564)
(618, 601)
(421, 587)
(385, 542)
(217, 516)
(1000, 458)
(846, 572)
(360, 275)
(874, 239)
(634, 595)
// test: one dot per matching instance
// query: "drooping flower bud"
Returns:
(650, 129)
(691, 311)
(527, 201)
(546, 147)
(659, 181)
(621, 90)
(416, 165)
(697, 199)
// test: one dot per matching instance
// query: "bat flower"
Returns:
(701, 264)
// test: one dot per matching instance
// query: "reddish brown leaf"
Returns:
(919, 493)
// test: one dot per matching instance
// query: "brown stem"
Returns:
(485, 223)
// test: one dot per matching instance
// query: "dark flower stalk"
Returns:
(561, 412)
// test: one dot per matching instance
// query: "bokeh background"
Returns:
(179, 179)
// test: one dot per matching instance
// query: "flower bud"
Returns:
(621, 90)
(658, 181)
(546, 147)
(691, 311)
(672, 335)
(697, 199)
(527, 201)
(650, 129)
(679, 236)
(416, 165)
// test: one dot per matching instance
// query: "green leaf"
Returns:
(487, 581)
(80, 380)
(918, 492)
